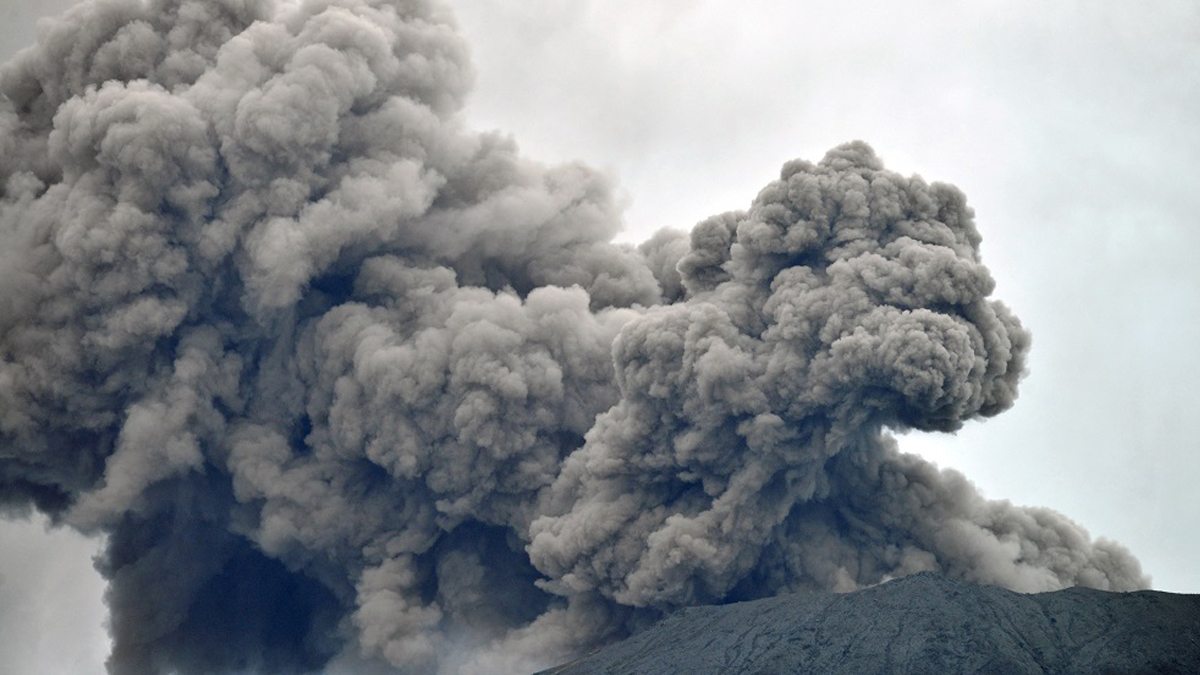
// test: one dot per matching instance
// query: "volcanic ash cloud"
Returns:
(353, 388)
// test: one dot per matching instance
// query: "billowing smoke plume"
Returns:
(353, 388)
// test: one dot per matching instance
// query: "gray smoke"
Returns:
(352, 388)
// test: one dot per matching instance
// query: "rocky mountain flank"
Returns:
(924, 623)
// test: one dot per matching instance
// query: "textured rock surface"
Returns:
(920, 624)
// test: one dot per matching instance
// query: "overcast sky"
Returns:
(1071, 127)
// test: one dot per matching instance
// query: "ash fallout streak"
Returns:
(353, 388)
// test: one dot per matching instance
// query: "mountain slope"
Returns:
(919, 624)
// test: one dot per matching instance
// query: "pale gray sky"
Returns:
(51, 610)
(1069, 125)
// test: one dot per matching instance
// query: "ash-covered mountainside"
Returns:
(924, 623)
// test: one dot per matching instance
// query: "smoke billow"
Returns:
(353, 388)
